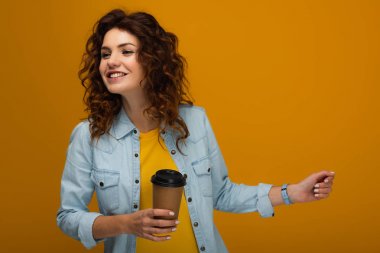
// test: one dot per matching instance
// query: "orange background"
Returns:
(290, 87)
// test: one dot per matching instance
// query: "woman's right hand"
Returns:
(143, 224)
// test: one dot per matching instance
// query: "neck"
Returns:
(135, 111)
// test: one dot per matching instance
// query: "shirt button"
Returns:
(134, 131)
(203, 248)
(135, 206)
(272, 214)
(136, 155)
(209, 170)
(163, 131)
(195, 224)
(189, 199)
(101, 184)
(173, 152)
(137, 181)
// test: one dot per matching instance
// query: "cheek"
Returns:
(138, 68)
(102, 67)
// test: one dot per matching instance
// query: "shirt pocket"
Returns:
(202, 170)
(107, 188)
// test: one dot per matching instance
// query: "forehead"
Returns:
(115, 37)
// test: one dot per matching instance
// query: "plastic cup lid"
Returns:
(168, 178)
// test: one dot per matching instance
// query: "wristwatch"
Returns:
(284, 194)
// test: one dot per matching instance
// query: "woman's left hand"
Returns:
(315, 187)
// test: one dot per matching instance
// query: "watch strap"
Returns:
(284, 194)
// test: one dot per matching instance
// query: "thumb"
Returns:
(320, 176)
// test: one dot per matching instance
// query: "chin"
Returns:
(121, 88)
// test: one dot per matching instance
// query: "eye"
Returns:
(104, 55)
(127, 52)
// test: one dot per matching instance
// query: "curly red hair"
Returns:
(166, 84)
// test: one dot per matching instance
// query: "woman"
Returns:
(141, 119)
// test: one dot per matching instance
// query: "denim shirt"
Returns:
(111, 167)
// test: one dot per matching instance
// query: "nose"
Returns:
(113, 61)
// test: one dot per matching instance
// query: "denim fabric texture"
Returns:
(111, 166)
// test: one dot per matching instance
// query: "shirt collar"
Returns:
(122, 125)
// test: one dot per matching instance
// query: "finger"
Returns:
(323, 185)
(321, 195)
(323, 174)
(328, 179)
(163, 223)
(162, 212)
(155, 230)
(156, 238)
(322, 190)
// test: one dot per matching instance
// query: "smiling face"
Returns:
(120, 70)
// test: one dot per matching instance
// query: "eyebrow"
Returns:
(119, 46)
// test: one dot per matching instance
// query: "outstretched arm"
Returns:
(315, 187)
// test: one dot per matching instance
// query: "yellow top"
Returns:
(153, 157)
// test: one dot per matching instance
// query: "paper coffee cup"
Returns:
(167, 191)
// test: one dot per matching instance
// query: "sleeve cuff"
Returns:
(85, 230)
(264, 205)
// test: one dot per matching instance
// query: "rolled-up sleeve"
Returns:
(264, 205)
(85, 230)
(229, 196)
(77, 188)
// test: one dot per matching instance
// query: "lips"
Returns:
(114, 74)
(115, 77)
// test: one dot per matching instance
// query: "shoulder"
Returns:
(79, 151)
(195, 119)
(81, 132)
(191, 112)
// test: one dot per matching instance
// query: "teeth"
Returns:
(113, 75)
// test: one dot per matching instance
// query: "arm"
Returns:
(315, 187)
(232, 197)
(229, 196)
(141, 223)
(77, 189)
